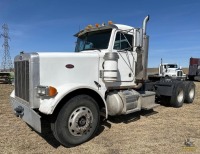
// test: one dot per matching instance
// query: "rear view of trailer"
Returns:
(194, 69)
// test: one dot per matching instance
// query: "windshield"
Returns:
(93, 40)
(172, 66)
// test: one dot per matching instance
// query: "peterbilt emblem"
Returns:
(70, 66)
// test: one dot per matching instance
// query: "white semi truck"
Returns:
(106, 75)
(168, 70)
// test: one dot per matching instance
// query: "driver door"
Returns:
(123, 46)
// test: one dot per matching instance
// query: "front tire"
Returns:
(77, 121)
(178, 95)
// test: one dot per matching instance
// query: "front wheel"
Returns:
(77, 121)
(178, 95)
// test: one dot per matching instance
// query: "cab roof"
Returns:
(104, 27)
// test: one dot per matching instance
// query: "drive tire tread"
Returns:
(189, 85)
(178, 87)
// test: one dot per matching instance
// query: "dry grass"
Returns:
(162, 131)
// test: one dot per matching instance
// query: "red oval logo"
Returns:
(70, 66)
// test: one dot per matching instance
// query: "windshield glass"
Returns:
(172, 66)
(93, 40)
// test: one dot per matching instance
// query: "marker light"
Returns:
(89, 26)
(110, 22)
(103, 24)
(96, 25)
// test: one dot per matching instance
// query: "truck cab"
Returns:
(106, 75)
(170, 70)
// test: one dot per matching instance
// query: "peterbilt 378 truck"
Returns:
(106, 75)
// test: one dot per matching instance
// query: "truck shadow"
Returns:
(164, 101)
(50, 139)
(131, 117)
(47, 134)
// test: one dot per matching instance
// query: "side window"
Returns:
(123, 41)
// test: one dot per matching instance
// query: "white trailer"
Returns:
(106, 75)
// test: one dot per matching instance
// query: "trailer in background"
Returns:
(6, 77)
(194, 69)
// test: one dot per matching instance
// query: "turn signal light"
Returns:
(52, 91)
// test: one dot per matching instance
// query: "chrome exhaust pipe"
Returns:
(146, 19)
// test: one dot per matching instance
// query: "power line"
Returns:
(6, 59)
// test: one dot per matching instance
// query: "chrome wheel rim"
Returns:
(80, 121)
(180, 96)
(191, 93)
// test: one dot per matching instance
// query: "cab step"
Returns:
(148, 100)
(150, 106)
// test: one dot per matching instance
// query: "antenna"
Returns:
(6, 59)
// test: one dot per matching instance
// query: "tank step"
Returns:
(149, 106)
(148, 100)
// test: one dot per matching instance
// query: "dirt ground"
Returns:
(162, 131)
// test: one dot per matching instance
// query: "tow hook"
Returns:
(19, 111)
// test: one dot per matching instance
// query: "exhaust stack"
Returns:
(142, 55)
(145, 24)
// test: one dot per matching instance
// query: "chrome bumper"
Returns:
(26, 114)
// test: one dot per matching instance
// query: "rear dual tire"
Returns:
(182, 92)
(189, 91)
(178, 95)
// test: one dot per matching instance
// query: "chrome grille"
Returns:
(179, 73)
(22, 79)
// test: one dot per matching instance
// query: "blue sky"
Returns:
(49, 25)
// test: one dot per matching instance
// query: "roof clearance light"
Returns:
(110, 22)
(86, 28)
(96, 25)
(89, 26)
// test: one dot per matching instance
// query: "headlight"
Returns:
(46, 91)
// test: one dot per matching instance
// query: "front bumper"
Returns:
(26, 114)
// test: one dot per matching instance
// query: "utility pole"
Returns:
(6, 59)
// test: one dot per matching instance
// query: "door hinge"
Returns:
(101, 74)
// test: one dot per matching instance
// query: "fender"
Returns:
(48, 105)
